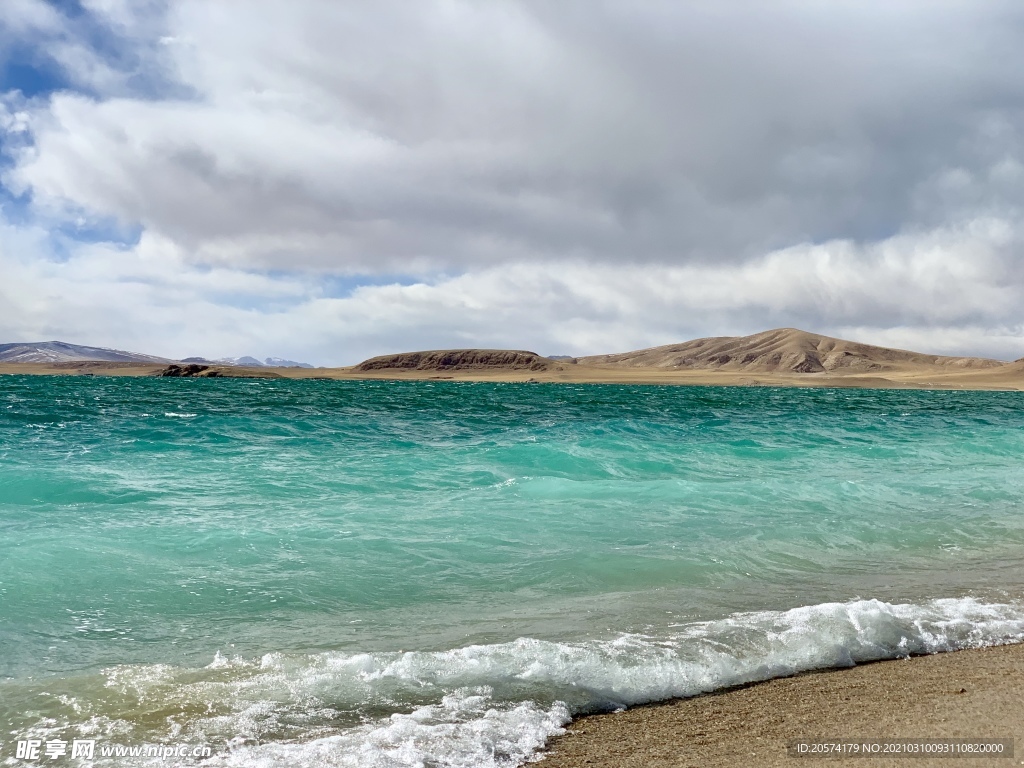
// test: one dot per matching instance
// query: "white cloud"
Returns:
(589, 178)
(21, 17)
(453, 134)
(940, 291)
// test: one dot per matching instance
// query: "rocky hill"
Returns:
(784, 350)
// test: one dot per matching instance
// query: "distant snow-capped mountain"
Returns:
(280, 362)
(270, 362)
(251, 362)
(62, 352)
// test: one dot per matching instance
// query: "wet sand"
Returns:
(964, 695)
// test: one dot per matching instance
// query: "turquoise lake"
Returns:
(384, 574)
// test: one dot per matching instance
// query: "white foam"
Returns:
(496, 705)
(466, 730)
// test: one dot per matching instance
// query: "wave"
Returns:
(495, 706)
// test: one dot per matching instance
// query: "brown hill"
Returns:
(785, 350)
(458, 360)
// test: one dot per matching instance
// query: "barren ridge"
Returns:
(784, 350)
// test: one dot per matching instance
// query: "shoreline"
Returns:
(968, 694)
(993, 379)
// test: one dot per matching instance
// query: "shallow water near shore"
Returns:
(320, 573)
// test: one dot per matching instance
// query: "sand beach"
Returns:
(1010, 378)
(973, 694)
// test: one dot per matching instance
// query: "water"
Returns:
(317, 573)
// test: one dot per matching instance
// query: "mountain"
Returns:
(278, 362)
(784, 350)
(62, 352)
(252, 362)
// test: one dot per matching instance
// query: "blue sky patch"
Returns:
(343, 286)
(32, 78)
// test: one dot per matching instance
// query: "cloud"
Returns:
(456, 134)
(575, 177)
(946, 290)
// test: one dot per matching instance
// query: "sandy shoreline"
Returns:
(990, 379)
(968, 694)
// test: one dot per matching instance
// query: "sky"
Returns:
(326, 181)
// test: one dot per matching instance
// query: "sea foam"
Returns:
(495, 706)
